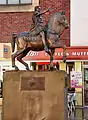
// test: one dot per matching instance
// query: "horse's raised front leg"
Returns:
(59, 45)
(64, 53)
(19, 58)
(51, 59)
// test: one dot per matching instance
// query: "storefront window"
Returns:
(2, 1)
(26, 1)
(69, 68)
(85, 83)
(86, 86)
(13, 1)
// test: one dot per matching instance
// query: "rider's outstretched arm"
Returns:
(43, 12)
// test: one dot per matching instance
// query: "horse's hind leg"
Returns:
(19, 58)
(17, 53)
(13, 60)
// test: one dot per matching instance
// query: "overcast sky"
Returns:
(79, 22)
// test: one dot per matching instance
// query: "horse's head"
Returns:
(58, 21)
(63, 20)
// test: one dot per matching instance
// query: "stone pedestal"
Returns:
(33, 95)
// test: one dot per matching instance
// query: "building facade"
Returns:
(16, 18)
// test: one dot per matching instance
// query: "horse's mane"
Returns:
(53, 15)
(50, 19)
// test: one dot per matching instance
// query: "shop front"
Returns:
(76, 58)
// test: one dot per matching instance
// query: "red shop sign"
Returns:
(73, 53)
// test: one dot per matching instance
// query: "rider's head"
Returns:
(37, 8)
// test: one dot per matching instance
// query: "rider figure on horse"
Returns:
(37, 24)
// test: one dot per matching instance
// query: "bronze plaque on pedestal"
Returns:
(32, 83)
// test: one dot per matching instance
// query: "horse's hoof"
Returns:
(27, 68)
(64, 60)
(51, 68)
(12, 68)
(16, 68)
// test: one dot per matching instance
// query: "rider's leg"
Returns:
(44, 41)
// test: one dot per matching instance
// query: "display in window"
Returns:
(76, 79)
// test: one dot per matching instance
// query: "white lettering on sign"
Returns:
(74, 53)
(79, 53)
(60, 54)
(57, 54)
(32, 53)
(67, 54)
(84, 53)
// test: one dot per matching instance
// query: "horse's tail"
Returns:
(14, 36)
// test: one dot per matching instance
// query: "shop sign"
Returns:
(72, 53)
(6, 51)
(76, 79)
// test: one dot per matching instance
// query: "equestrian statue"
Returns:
(40, 37)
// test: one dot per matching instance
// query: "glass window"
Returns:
(26, 1)
(2, 1)
(8, 2)
(13, 1)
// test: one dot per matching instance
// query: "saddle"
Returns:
(32, 38)
(34, 33)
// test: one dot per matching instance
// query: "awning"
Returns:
(73, 53)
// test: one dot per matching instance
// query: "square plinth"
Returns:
(34, 95)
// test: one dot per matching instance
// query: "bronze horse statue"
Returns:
(31, 40)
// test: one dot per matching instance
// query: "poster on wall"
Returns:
(76, 79)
